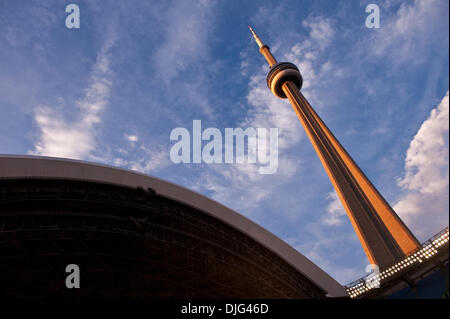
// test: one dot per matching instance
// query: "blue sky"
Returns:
(113, 90)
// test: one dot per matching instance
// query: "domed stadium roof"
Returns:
(137, 236)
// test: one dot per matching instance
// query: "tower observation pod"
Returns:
(383, 235)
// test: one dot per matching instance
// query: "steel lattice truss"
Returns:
(129, 243)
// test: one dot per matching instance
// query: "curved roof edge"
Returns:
(17, 166)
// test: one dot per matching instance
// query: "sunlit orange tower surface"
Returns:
(383, 235)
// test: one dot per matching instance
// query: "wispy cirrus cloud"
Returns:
(407, 35)
(61, 137)
(181, 60)
(185, 41)
(151, 159)
(267, 111)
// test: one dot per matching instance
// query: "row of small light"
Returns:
(425, 252)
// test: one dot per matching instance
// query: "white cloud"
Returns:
(152, 159)
(58, 138)
(335, 210)
(268, 111)
(185, 39)
(311, 57)
(426, 180)
(76, 139)
(142, 158)
(407, 35)
(132, 138)
(322, 31)
(182, 60)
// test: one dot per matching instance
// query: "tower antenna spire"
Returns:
(257, 39)
(264, 49)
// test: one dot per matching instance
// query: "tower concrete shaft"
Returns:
(383, 235)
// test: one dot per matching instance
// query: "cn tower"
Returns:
(383, 235)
